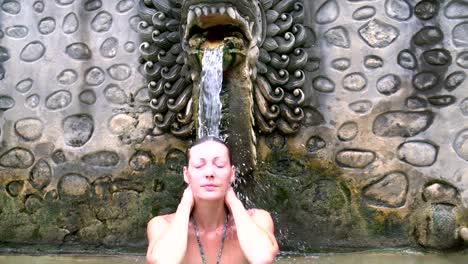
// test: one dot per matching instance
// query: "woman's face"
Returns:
(209, 171)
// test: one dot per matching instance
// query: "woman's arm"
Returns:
(255, 233)
(168, 241)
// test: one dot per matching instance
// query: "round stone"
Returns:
(67, 77)
(88, 97)
(354, 158)
(460, 35)
(101, 159)
(64, 2)
(402, 123)
(73, 186)
(441, 100)
(341, 64)
(460, 144)
(40, 175)
(425, 81)
(398, 9)
(125, 5)
(348, 131)
(58, 100)
(354, 82)
(338, 36)
(32, 51)
(17, 31)
(92, 5)
(32, 101)
(141, 161)
(327, 12)
(102, 22)
(14, 188)
(109, 47)
(454, 80)
(437, 57)
(129, 46)
(29, 129)
(78, 129)
(360, 106)
(389, 191)
(114, 94)
(17, 158)
(4, 54)
(11, 7)
(6, 102)
(378, 34)
(315, 143)
(38, 6)
(457, 9)
(78, 51)
(426, 9)
(388, 84)
(462, 59)
(407, 60)
(58, 157)
(33, 203)
(415, 102)
(24, 86)
(364, 13)
(120, 72)
(428, 35)
(323, 84)
(418, 153)
(46, 25)
(373, 62)
(122, 123)
(133, 22)
(439, 192)
(70, 23)
(94, 76)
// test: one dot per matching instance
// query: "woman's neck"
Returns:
(209, 215)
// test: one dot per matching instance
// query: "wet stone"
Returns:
(341, 64)
(418, 153)
(101, 159)
(426, 9)
(142, 95)
(38, 6)
(122, 123)
(175, 159)
(67, 77)
(46, 25)
(16, 32)
(33, 203)
(388, 84)
(102, 22)
(360, 106)
(94, 76)
(119, 72)
(315, 143)
(464, 106)
(460, 145)
(338, 36)
(454, 80)
(378, 34)
(129, 46)
(109, 47)
(439, 192)
(6, 102)
(88, 97)
(11, 7)
(460, 35)
(312, 117)
(354, 82)
(14, 188)
(4, 54)
(133, 21)
(58, 100)
(428, 35)
(78, 129)
(276, 142)
(70, 23)
(457, 9)
(437, 57)
(373, 62)
(357, 159)
(125, 5)
(92, 5)
(348, 131)
(58, 157)
(364, 13)
(24, 86)
(442, 100)
(17, 158)
(64, 2)
(32, 51)
(323, 84)
(402, 123)
(78, 51)
(73, 185)
(390, 191)
(327, 12)
(32, 101)
(415, 102)
(29, 128)
(407, 60)
(425, 81)
(141, 161)
(462, 59)
(398, 9)
(114, 94)
(40, 175)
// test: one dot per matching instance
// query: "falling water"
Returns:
(209, 113)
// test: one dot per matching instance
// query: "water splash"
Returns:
(209, 112)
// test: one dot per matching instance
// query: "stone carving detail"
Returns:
(389, 191)
(278, 84)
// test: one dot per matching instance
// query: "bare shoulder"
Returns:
(262, 218)
(157, 225)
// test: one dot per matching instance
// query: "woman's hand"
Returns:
(230, 196)
(187, 197)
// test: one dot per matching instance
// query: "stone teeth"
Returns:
(213, 10)
(190, 17)
(198, 11)
(222, 10)
(251, 25)
(231, 12)
(205, 10)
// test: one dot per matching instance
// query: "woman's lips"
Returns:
(209, 187)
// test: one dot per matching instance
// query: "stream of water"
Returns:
(209, 114)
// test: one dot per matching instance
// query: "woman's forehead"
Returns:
(209, 149)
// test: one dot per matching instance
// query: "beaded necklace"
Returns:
(202, 253)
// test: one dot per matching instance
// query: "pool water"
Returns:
(393, 257)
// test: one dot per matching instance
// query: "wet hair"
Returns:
(207, 139)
